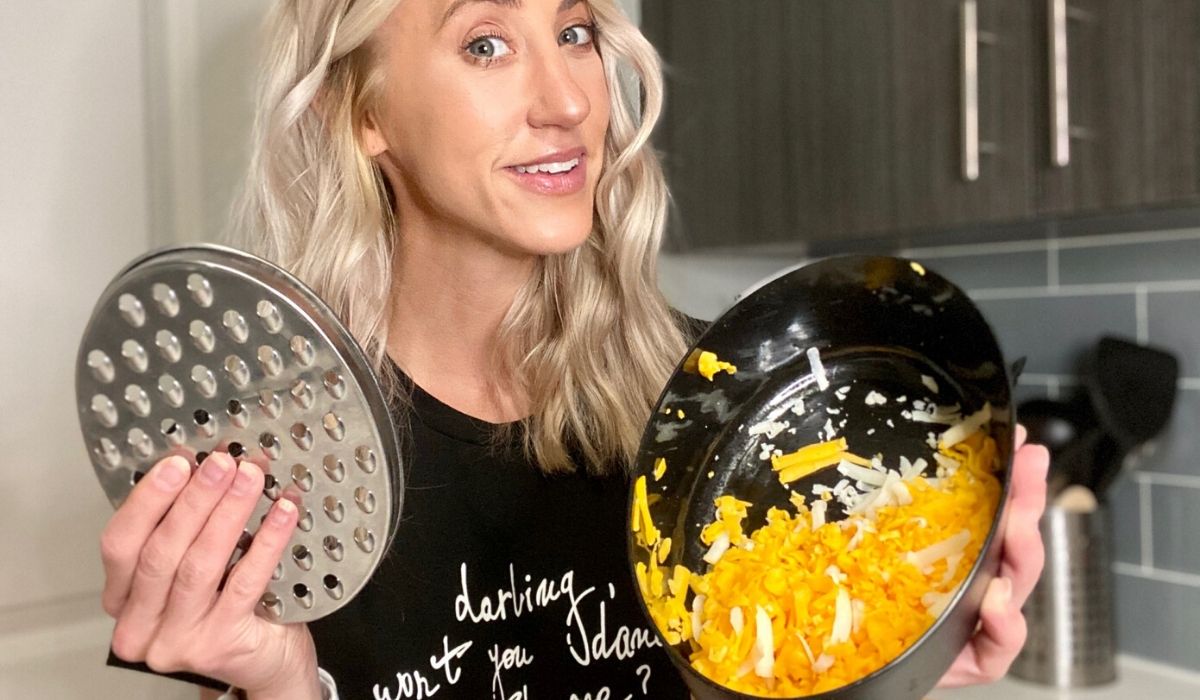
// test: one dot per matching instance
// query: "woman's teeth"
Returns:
(549, 167)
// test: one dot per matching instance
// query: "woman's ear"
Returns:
(371, 137)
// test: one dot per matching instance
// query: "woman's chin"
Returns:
(550, 239)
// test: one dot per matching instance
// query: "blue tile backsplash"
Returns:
(1050, 291)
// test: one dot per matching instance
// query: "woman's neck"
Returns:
(450, 292)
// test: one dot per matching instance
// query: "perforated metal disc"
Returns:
(202, 348)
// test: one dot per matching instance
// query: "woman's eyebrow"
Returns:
(459, 4)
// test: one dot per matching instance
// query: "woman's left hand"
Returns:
(1001, 632)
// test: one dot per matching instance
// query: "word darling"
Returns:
(590, 638)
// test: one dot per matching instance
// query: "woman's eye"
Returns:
(488, 47)
(580, 34)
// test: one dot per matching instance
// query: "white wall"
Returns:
(75, 206)
(73, 210)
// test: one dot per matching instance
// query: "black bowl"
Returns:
(879, 323)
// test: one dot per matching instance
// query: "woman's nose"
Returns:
(559, 99)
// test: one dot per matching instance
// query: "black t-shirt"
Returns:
(501, 582)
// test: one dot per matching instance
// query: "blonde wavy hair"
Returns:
(589, 338)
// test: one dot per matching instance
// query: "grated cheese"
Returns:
(803, 605)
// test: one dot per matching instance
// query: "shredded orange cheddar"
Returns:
(811, 459)
(802, 605)
(708, 365)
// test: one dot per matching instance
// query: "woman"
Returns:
(468, 183)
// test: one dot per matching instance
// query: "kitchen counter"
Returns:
(1136, 678)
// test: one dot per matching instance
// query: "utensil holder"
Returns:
(1070, 612)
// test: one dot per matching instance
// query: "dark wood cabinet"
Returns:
(803, 120)
(963, 141)
(1170, 84)
(1088, 148)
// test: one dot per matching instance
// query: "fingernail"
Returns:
(243, 482)
(172, 473)
(282, 511)
(214, 469)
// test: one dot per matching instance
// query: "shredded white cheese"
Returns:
(719, 546)
(961, 431)
(814, 360)
(764, 639)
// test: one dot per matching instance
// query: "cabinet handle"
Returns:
(1061, 131)
(1060, 104)
(971, 37)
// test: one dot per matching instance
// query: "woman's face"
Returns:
(491, 120)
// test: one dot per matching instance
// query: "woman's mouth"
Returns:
(554, 178)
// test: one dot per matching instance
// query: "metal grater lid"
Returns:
(200, 348)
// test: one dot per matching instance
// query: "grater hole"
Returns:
(166, 299)
(132, 310)
(202, 336)
(333, 426)
(334, 384)
(334, 468)
(171, 390)
(333, 547)
(140, 442)
(302, 350)
(303, 595)
(272, 606)
(201, 416)
(270, 445)
(135, 356)
(268, 313)
(107, 451)
(302, 436)
(306, 521)
(168, 346)
(200, 289)
(269, 403)
(365, 499)
(271, 487)
(101, 366)
(365, 459)
(269, 360)
(172, 431)
(235, 326)
(200, 457)
(332, 586)
(302, 477)
(236, 450)
(105, 410)
(205, 381)
(136, 477)
(237, 371)
(302, 557)
(301, 394)
(237, 413)
(334, 509)
(137, 399)
(365, 539)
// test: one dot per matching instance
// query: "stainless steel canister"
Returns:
(1070, 613)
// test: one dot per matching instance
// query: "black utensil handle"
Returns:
(193, 678)
(1018, 367)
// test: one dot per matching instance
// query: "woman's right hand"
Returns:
(165, 551)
